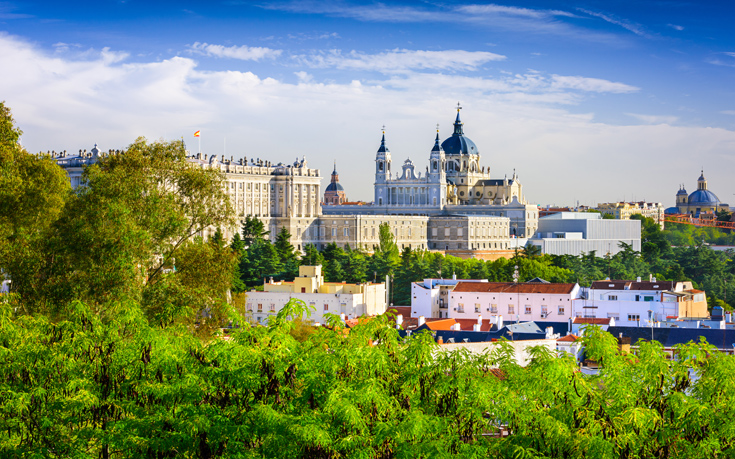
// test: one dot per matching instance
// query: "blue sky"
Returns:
(590, 101)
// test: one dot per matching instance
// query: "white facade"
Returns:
(521, 302)
(454, 184)
(641, 304)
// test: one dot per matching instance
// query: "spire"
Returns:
(458, 122)
(383, 148)
(334, 172)
(437, 146)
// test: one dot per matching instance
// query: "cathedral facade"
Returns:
(454, 184)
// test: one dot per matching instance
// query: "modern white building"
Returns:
(520, 302)
(574, 233)
(352, 300)
(641, 303)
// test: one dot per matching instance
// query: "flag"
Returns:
(197, 133)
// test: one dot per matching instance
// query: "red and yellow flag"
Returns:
(197, 133)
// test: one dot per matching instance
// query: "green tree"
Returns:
(311, 256)
(252, 228)
(121, 232)
(33, 190)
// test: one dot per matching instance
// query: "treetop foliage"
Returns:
(116, 387)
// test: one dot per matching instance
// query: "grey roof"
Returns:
(458, 144)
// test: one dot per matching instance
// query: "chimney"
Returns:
(399, 320)
(456, 327)
(479, 319)
(476, 327)
(650, 277)
(422, 320)
(440, 340)
(500, 322)
(638, 279)
(342, 317)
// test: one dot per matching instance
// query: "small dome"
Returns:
(334, 186)
(681, 191)
(703, 197)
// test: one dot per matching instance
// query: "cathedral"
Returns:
(454, 183)
(700, 201)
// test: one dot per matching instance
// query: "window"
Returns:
(561, 310)
(634, 317)
(477, 307)
(334, 232)
(494, 308)
(250, 307)
(260, 307)
(612, 298)
(460, 307)
(544, 310)
(511, 309)
(528, 309)
(326, 307)
(273, 307)
(346, 232)
(647, 298)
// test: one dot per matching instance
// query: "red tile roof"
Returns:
(592, 320)
(570, 338)
(442, 324)
(509, 287)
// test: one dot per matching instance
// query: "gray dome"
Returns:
(334, 186)
(458, 144)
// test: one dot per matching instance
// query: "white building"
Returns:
(522, 302)
(352, 300)
(280, 195)
(574, 233)
(637, 303)
(430, 298)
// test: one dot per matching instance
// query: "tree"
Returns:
(311, 256)
(121, 233)
(252, 228)
(33, 190)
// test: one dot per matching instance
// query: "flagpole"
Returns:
(200, 142)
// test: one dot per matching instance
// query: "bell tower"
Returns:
(382, 172)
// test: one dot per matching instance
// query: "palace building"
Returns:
(454, 206)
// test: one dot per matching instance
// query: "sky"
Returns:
(588, 101)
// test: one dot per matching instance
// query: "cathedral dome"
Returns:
(334, 186)
(703, 197)
(458, 144)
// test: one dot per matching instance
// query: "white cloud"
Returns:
(728, 112)
(519, 121)
(400, 60)
(245, 53)
(654, 119)
(633, 27)
(676, 27)
(591, 84)
(509, 18)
